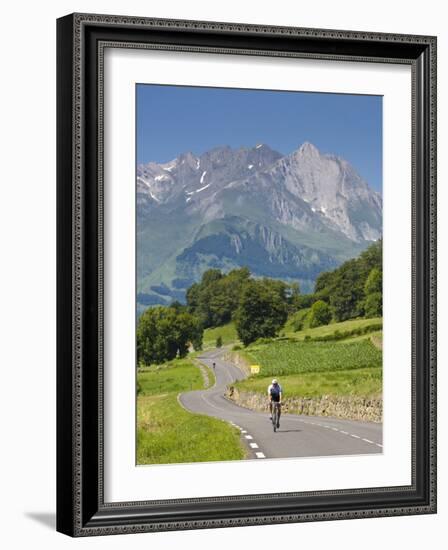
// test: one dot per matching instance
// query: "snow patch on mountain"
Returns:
(202, 188)
(305, 190)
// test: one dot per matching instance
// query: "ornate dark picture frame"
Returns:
(81, 509)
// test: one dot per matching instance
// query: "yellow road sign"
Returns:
(254, 369)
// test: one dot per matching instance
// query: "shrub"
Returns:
(338, 335)
(298, 320)
(261, 341)
(320, 314)
(219, 341)
(304, 301)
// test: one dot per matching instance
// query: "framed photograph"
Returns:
(246, 274)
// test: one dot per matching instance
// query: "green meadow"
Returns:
(168, 433)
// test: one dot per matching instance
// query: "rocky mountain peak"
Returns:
(188, 158)
(286, 216)
(303, 189)
(308, 149)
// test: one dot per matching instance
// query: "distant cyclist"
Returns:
(275, 396)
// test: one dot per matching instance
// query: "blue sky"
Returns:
(175, 119)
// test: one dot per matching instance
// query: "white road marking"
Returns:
(225, 371)
(340, 431)
(260, 455)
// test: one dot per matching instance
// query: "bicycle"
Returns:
(275, 415)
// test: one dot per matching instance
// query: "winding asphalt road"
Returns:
(298, 436)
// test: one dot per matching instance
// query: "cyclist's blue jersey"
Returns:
(275, 391)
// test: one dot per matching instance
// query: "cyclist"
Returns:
(275, 395)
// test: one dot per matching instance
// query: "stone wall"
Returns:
(351, 408)
(238, 360)
(204, 373)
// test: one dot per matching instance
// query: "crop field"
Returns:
(311, 369)
(285, 357)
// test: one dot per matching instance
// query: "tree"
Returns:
(178, 306)
(193, 297)
(372, 256)
(323, 281)
(373, 303)
(219, 341)
(304, 301)
(165, 332)
(374, 282)
(320, 314)
(261, 312)
(210, 276)
(347, 292)
(346, 287)
(216, 297)
(293, 296)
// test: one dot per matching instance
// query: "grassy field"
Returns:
(227, 333)
(177, 376)
(166, 432)
(328, 329)
(354, 382)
